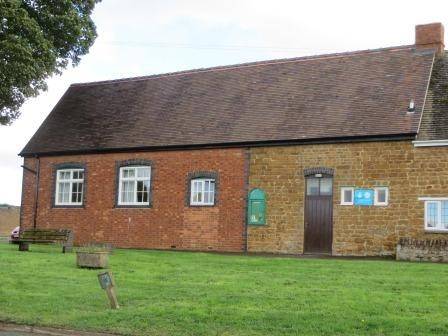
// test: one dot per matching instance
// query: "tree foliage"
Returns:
(39, 38)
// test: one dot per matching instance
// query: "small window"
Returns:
(347, 195)
(436, 215)
(381, 196)
(134, 187)
(312, 187)
(202, 191)
(319, 186)
(69, 186)
(326, 186)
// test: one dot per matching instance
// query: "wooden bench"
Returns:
(46, 236)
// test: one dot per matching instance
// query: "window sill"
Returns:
(201, 205)
(133, 206)
(68, 206)
(436, 231)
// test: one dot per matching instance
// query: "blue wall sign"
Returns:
(363, 197)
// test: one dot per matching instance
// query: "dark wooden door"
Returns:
(319, 214)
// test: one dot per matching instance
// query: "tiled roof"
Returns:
(358, 94)
(434, 124)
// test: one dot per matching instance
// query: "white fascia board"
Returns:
(433, 198)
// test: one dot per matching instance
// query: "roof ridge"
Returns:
(248, 64)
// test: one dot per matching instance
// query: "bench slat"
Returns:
(35, 235)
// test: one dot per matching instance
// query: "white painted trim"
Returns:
(430, 143)
(375, 199)
(343, 189)
(70, 181)
(134, 179)
(433, 198)
(201, 183)
(436, 230)
(438, 223)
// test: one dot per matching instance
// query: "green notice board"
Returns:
(257, 207)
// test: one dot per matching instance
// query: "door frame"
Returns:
(318, 172)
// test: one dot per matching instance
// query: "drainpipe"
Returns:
(36, 193)
(246, 190)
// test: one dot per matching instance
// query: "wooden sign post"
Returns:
(107, 283)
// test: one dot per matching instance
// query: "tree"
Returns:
(39, 38)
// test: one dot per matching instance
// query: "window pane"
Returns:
(140, 186)
(64, 192)
(79, 194)
(81, 174)
(312, 187)
(444, 223)
(64, 175)
(146, 192)
(142, 191)
(212, 192)
(206, 197)
(326, 186)
(432, 209)
(381, 195)
(74, 197)
(197, 191)
(127, 191)
(348, 196)
(128, 172)
(143, 172)
(197, 186)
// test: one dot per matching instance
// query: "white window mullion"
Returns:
(70, 195)
(134, 199)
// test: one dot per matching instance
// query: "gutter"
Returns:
(430, 143)
(269, 143)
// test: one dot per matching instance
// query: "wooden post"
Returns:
(24, 246)
(107, 283)
(112, 298)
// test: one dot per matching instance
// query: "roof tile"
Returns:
(324, 97)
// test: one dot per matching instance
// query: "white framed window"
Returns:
(69, 186)
(347, 194)
(134, 185)
(202, 191)
(436, 215)
(381, 197)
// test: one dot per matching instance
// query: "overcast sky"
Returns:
(142, 37)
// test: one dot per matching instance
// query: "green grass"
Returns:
(175, 293)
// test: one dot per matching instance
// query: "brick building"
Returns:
(341, 154)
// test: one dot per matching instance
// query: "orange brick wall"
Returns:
(409, 173)
(169, 223)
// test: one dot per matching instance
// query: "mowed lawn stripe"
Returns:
(184, 293)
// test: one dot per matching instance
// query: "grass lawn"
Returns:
(175, 293)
